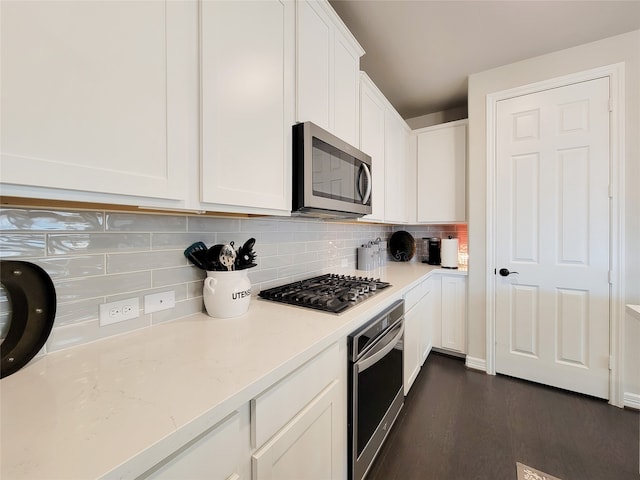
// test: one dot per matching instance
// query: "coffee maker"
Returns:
(431, 250)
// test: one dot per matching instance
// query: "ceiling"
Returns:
(419, 53)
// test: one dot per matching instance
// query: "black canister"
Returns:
(433, 247)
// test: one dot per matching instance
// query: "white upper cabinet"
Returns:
(385, 136)
(346, 88)
(247, 105)
(372, 113)
(328, 69)
(395, 168)
(89, 94)
(441, 173)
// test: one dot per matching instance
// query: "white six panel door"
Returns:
(552, 317)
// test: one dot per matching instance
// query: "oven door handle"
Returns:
(384, 346)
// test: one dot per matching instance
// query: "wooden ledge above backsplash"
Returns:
(22, 202)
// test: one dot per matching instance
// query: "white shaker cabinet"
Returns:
(299, 424)
(426, 326)
(395, 168)
(91, 94)
(417, 334)
(441, 173)
(372, 118)
(307, 447)
(296, 428)
(247, 55)
(328, 70)
(384, 135)
(450, 313)
(410, 347)
(216, 454)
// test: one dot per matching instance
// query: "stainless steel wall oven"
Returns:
(376, 393)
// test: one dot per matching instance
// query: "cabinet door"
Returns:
(90, 92)
(426, 314)
(328, 70)
(214, 455)
(309, 446)
(417, 336)
(275, 407)
(345, 91)
(411, 345)
(442, 154)
(395, 169)
(315, 43)
(454, 312)
(247, 56)
(372, 111)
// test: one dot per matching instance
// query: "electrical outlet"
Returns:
(345, 262)
(159, 301)
(115, 312)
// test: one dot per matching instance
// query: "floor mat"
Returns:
(527, 473)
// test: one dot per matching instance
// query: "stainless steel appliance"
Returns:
(330, 177)
(330, 292)
(376, 393)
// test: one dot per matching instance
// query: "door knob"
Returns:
(505, 272)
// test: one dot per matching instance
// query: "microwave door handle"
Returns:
(373, 356)
(358, 180)
(367, 194)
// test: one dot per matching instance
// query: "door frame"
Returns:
(615, 73)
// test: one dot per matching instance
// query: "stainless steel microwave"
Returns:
(330, 177)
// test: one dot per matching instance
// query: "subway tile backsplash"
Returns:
(95, 257)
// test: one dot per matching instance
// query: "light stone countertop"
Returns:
(118, 406)
(634, 310)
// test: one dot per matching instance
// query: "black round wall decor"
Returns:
(402, 246)
(33, 309)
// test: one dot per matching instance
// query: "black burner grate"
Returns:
(329, 293)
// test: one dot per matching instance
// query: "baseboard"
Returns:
(449, 353)
(631, 400)
(476, 363)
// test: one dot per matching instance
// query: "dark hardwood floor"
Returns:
(461, 424)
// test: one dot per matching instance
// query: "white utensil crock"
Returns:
(226, 294)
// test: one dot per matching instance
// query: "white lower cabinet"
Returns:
(450, 313)
(296, 429)
(216, 454)
(410, 351)
(426, 326)
(306, 448)
(417, 330)
(299, 424)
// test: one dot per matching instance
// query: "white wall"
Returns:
(437, 118)
(622, 48)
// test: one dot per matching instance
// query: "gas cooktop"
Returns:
(329, 293)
